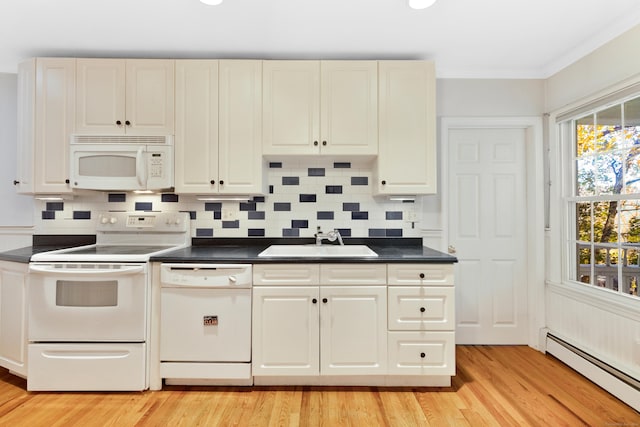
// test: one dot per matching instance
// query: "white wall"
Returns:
(605, 324)
(16, 211)
(488, 98)
(609, 66)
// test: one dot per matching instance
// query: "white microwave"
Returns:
(121, 162)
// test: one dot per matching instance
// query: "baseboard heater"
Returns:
(616, 382)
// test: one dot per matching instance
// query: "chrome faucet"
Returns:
(330, 236)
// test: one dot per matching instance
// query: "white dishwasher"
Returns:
(205, 324)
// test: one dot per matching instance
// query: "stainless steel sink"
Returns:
(315, 251)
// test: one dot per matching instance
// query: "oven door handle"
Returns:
(44, 269)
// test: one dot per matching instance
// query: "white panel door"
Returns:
(353, 330)
(196, 143)
(285, 332)
(100, 96)
(488, 217)
(291, 107)
(349, 107)
(150, 97)
(240, 127)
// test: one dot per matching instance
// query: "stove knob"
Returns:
(113, 220)
(104, 220)
(172, 221)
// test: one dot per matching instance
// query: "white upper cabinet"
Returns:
(133, 96)
(218, 127)
(46, 117)
(407, 162)
(349, 107)
(240, 165)
(196, 141)
(320, 107)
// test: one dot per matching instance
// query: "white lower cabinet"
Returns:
(285, 338)
(421, 320)
(13, 316)
(315, 329)
(353, 324)
(422, 353)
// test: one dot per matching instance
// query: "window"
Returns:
(606, 197)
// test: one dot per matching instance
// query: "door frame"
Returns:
(534, 152)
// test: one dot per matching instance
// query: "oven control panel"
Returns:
(143, 221)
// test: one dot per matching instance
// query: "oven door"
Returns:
(86, 302)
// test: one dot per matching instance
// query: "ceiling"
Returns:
(466, 38)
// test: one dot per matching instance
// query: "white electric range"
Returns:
(89, 306)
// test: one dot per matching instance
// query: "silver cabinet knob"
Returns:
(451, 249)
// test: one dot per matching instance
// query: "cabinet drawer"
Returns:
(421, 308)
(421, 274)
(353, 274)
(422, 353)
(286, 274)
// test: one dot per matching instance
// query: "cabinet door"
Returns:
(26, 104)
(291, 107)
(349, 107)
(55, 121)
(240, 127)
(150, 96)
(100, 96)
(285, 330)
(196, 140)
(353, 330)
(407, 145)
(13, 319)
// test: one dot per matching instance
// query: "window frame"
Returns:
(567, 135)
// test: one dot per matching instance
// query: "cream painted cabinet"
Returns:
(286, 330)
(46, 114)
(219, 127)
(353, 339)
(407, 160)
(320, 107)
(196, 140)
(304, 330)
(132, 96)
(421, 319)
(13, 316)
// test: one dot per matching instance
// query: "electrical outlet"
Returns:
(410, 216)
(230, 211)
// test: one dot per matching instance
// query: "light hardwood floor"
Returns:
(494, 386)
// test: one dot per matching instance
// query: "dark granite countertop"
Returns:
(242, 250)
(246, 250)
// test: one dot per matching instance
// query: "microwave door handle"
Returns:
(141, 166)
(45, 269)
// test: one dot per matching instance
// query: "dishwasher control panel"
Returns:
(206, 275)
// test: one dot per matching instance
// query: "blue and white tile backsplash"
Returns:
(302, 195)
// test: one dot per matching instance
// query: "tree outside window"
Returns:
(607, 197)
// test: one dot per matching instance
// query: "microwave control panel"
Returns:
(156, 163)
